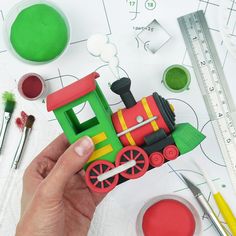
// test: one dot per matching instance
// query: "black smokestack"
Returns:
(122, 88)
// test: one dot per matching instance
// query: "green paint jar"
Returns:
(38, 32)
(176, 78)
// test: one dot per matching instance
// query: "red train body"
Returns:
(143, 110)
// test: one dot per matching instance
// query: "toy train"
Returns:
(129, 142)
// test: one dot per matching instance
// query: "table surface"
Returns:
(122, 21)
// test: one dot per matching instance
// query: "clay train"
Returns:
(129, 142)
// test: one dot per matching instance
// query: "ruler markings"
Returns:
(213, 85)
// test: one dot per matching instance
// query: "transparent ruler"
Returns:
(213, 85)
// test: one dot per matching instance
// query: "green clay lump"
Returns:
(39, 33)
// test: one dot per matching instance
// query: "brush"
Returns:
(9, 101)
(13, 175)
(25, 134)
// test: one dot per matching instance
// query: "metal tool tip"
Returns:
(185, 179)
(194, 189)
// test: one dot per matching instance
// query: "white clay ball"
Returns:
(108, 52)
(96, 43)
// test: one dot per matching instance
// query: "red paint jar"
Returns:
(168, 215)
(31, 86)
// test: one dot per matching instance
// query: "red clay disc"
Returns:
(156, 159)
(171, 152)
(168, 217)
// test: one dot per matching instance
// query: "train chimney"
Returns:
(122, 88)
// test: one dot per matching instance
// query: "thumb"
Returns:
(70, 162)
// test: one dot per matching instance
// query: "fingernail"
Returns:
(84, 146)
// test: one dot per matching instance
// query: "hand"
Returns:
(56, 200)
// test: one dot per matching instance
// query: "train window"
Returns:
(82, 117)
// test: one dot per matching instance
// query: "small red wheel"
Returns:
(156, 159)
(94, 170)
(171, 152)
(133, 153)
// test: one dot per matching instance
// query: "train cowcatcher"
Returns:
(129, 142)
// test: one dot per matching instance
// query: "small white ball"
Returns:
(108, 52)
(96, 43)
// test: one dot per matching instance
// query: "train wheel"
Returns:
(133, 153)
(156, 159)
(171, 152)
(94, 170)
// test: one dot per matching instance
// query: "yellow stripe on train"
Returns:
(99, 138)
(101, 152)
(124, 127)
(149, 114)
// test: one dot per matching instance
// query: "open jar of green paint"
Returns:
(176, 78)
(37, 31)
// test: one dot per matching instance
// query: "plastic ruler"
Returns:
(213, 85)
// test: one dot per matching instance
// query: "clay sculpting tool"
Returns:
(221, 203)
(205, 207)
(9, 100)
(25, 134)
(213, 85)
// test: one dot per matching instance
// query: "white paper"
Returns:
(117, 214)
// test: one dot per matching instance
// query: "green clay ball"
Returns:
(39, 33)
(176, 78)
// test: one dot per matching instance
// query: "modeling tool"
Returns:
(12, 177)
(205, 206)
(221, 203)
(25, 134)
(9, 100)
(6, 193)
(213, 85)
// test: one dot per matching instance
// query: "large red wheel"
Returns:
(94, 170)
(156, 159)
(171, 152)
(133, 153)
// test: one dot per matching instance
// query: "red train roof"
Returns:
(72, 92)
